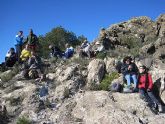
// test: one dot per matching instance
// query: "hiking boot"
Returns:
(160, 108)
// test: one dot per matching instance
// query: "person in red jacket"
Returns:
(145, 89)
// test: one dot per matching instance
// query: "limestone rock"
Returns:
(96, 71)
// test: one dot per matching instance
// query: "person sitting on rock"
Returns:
(10, 58)
(130, 71)
(34, 60)
(35, 65)
(69, 51)
(85, 48)
(25, 54)
(145, 89)
(55, 51)
(99, 48)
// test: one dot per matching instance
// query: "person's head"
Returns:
(127, 60)
(97, 43)
(142, 69)
(50, 46)
(85, 41)
(27, 47)
(20, 33)
(31, 31)
(33, 53)
(12, 50)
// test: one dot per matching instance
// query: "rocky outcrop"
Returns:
(96, 71)
(70, 99)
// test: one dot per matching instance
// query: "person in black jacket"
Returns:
(10, 58)
(130, 71)
(55, 51)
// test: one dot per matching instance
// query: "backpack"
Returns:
(116, 87)
(33, 74)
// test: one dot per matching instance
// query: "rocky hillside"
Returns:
(78, 87)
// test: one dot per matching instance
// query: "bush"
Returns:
(23, 120)
(104, 85)
(101, 55)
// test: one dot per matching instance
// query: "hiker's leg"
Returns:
(153, 98)
(134, 77)
(145, 97)
(128, 78)
(18, 51)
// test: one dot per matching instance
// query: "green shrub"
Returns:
(101, 55)
(104, 85)
(23, 120)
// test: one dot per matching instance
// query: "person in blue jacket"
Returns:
(69, 51)
(19, 44)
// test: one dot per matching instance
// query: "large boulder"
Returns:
(110, 65)
(96, 71)
(147, 49)
(64, 73)
(98, 107)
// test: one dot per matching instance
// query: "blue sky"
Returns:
(80, 16)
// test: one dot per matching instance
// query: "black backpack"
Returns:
(116, 87)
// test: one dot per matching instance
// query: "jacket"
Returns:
(125, 71)
(144, 82)
(18, 40)
(32, 39)
(25, 54)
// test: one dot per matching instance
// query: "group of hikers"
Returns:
(138, 80)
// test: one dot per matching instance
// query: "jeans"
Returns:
(148, 97)
(129, 78)
(18, 51)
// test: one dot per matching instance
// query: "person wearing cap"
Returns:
(99, 47)
(55, 51)
(32, 40)
(19, 44)
(129, 71)
(145, 88)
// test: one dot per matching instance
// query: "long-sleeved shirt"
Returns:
(145, 82)
(18, 40)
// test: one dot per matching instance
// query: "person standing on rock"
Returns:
(19, 44)
(130, 71)
(32, 40)
(145, 89)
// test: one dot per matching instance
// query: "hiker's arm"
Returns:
(150, 81)
(124, 69)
